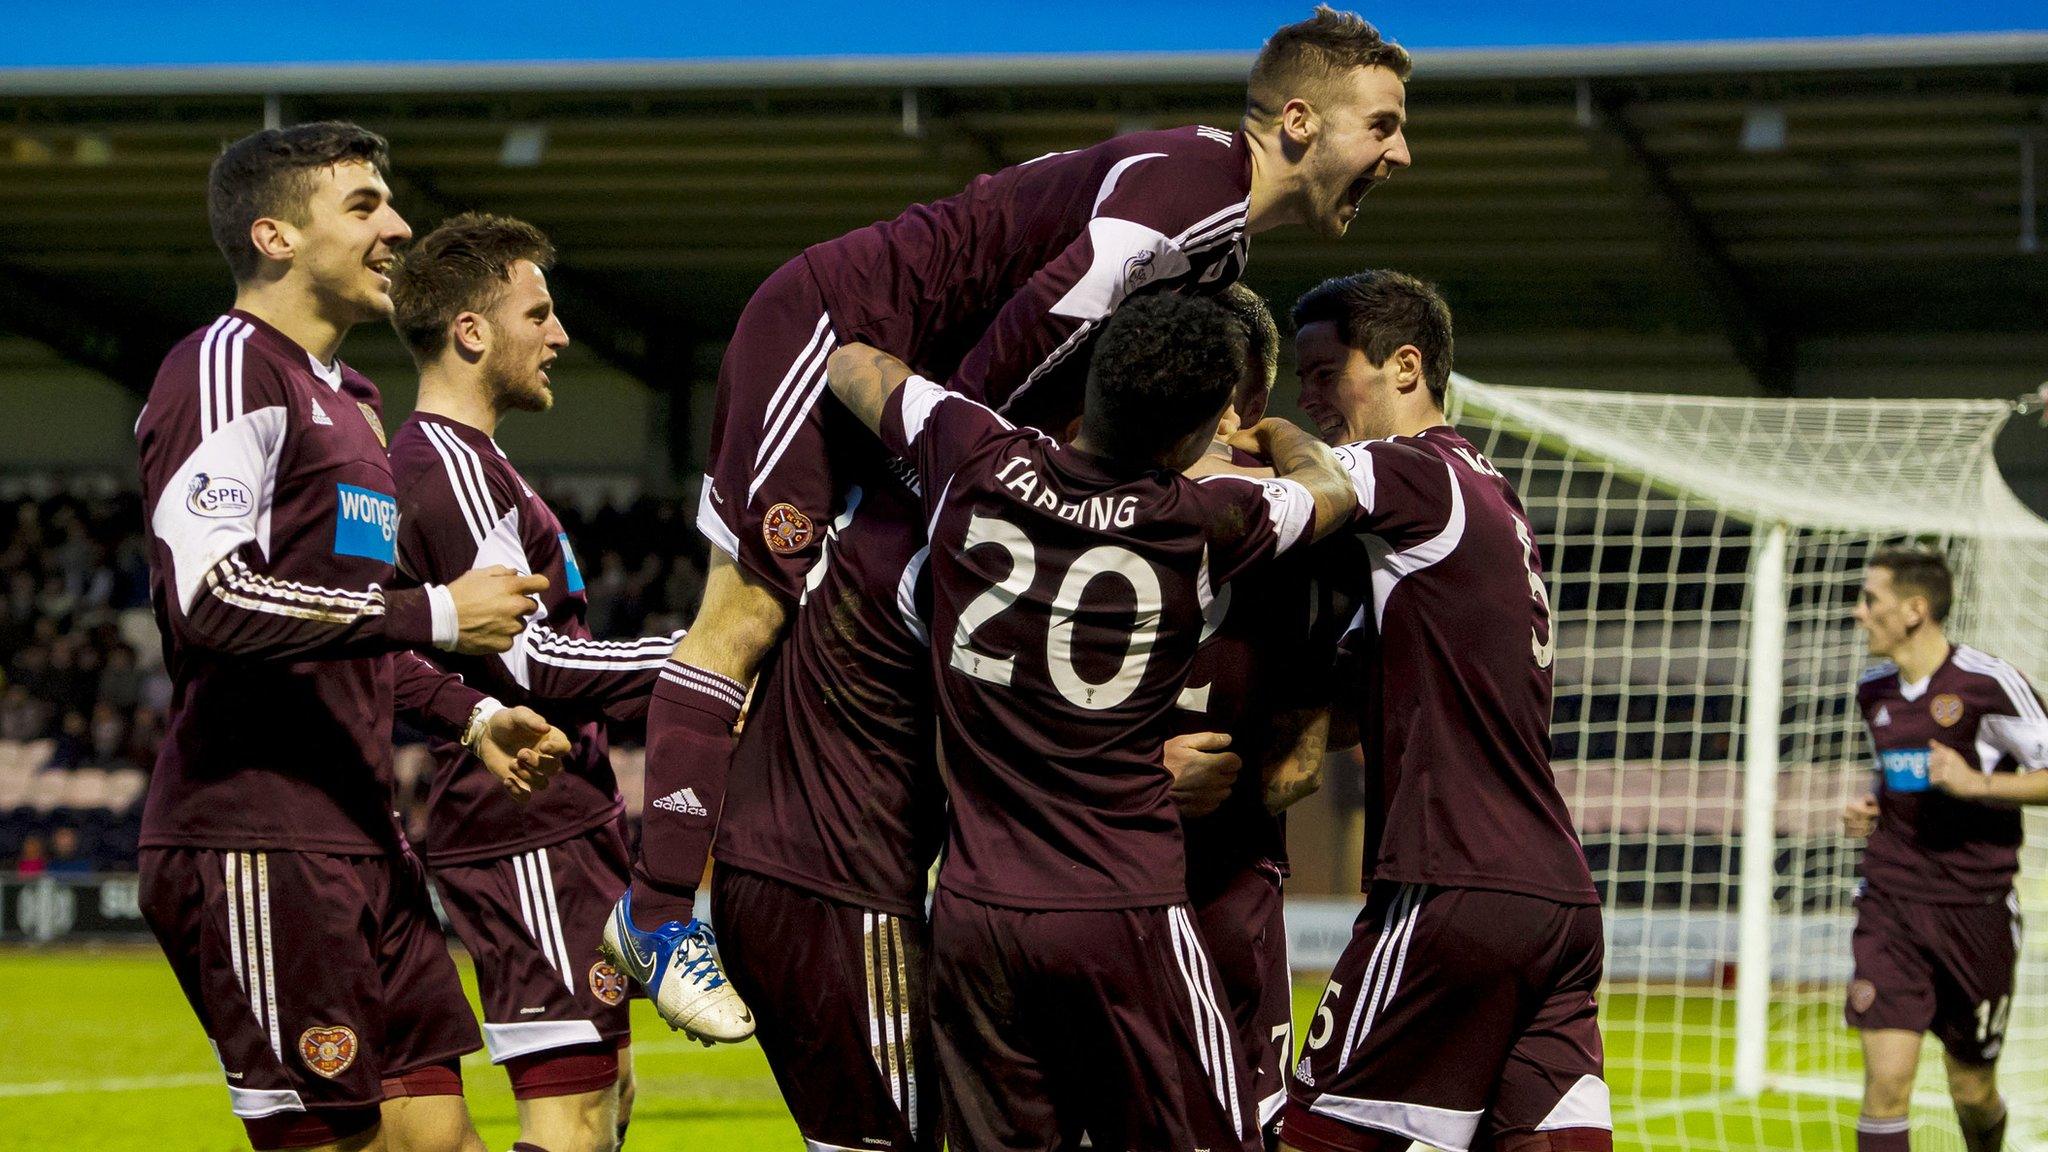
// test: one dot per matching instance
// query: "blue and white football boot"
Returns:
(677, 964)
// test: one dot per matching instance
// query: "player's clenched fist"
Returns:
(1859, 816)
(521, 749)
(491, 606)
(1949, 772)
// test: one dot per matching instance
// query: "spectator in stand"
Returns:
(66, 855)
(33, 860)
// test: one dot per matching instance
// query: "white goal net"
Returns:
(1704, 555)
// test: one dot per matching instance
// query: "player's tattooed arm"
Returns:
(1307, 461)
(863, 378)
(1302, 734)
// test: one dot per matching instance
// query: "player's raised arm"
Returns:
(863, 378)
(1307, 461)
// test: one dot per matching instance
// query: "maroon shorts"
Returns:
(318, 978)
(1105, 1023)
(770, 490)
(532, 921)
(1941, 968)
(1243, 924)
(1455, 1017)
(837, 993)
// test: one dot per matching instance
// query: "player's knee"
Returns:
(1973, 1085)
(1886, 1092)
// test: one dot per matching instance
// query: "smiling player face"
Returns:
(1349, 398)
(349, 238)
(1360, 141)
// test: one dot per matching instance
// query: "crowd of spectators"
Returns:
(83, 693)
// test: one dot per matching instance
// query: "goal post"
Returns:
(1704, 555)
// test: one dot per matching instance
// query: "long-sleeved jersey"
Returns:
(993, 289)
(273, 525)
(462, 505)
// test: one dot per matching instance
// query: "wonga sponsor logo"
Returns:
(365, 524)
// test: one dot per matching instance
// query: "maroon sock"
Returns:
(1983, 1128)
(689, 749)
(1883, 1134)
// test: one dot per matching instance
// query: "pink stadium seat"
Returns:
(1589, 790)
(1636, 807)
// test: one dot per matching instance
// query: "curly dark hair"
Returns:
(1380, 310)
(461, 266)
(1163, 367)
(270, 174)
(1251, 312)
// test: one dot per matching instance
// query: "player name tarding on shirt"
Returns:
(1930, 846)
(1067, 604)
(465, 506)
(1455, 643)
(273, 530)
(834, 784)
(996, 289)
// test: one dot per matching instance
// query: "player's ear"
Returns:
(275, 239)
(470, 333)
(1407, 366)
(1300, 123)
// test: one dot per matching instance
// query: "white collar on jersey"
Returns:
(328, 372)
(1915, 689)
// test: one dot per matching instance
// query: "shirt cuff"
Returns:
(447, 629)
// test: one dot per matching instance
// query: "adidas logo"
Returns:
(1884, 717)
(684, 801)
(320, 415)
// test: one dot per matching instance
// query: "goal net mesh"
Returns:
(1652, 511)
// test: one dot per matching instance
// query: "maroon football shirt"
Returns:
(834, 784)
(1267, 643)
(1067, 602)
(1454, 712)
(273, 533)
(1929, 846)
(993, 289)
(463, 505)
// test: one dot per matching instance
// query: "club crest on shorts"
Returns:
(606, 983)
(328, 1051)
(1946, 710)
(1862, 994)
(785, 529)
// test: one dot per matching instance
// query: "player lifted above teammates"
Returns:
(1070, 990)
(1958, 735)
(995, 291)
(527, 887)
(268, 842)
(1462, 1013)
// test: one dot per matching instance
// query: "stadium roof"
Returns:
(1773, 191)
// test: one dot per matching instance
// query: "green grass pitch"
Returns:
(98, 1051)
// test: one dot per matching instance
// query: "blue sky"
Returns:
(121, 32)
